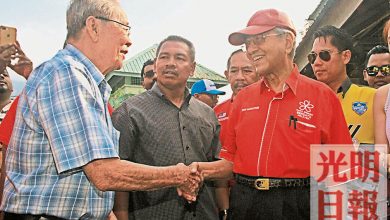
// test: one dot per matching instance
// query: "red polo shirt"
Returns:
(222, 112)
(260, 139)
(7, 124)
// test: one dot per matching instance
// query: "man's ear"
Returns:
(226, 74)
(289, 42)
(155, 66)
(346, 55)
(365, 76)
(193, 69)
(92, 26)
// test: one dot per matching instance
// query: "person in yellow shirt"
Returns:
(330, 59)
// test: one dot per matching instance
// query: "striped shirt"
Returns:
(62, 123)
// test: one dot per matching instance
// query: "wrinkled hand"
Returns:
(23, 65)
(191, 180)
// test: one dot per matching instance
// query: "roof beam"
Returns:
(336, 13)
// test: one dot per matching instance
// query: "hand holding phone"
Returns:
(22, 65)
(11, 54)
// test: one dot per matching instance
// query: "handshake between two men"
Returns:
(191, 178)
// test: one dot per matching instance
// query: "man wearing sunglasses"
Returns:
(148, 77)
(273, 122)
(377, 63)
(330, 59)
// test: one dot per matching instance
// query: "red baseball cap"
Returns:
(262, 21)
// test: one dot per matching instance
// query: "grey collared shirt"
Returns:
(156, 132)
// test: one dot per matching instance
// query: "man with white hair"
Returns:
(62, 159)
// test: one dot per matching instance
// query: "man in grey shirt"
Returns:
(165, 126)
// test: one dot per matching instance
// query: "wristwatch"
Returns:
(223, 213)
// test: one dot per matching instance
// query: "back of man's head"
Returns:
(79, 10)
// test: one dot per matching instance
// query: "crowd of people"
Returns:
(171, 152)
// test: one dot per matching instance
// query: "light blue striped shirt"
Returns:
(62, 123)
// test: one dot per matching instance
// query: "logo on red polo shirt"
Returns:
(304, 109)
(222, 116)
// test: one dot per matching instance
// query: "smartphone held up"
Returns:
(7, 35)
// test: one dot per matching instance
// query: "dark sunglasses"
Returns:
(324, 55)
(374, 70)
(149, 74)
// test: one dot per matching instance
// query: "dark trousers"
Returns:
(13, 216)
(278, 203)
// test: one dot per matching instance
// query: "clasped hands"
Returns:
(191, 179)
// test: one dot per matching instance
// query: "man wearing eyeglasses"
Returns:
(273, 122)
(330, 59)
(62, 159)
(377, 63)
(148, 77)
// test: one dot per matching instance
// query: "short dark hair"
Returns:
(147, 63)
(341, 39)
(230, 57)
(378, 49)
(179, 39)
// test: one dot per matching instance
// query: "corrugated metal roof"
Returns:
(318, 10)
(135, 63)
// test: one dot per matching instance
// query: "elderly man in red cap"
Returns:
(273, 122)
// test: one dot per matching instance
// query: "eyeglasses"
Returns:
(125, 27)
(259, 39)
(374, 70)
(149, 74)
(325, 55)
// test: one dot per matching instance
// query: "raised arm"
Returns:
(9, 52)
